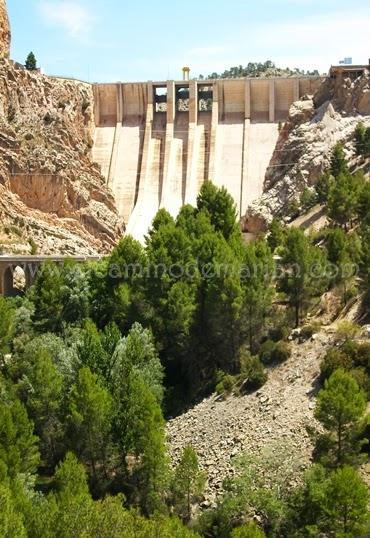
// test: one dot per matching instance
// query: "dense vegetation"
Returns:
(94, 356)
(259, 69)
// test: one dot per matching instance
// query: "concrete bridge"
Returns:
(29, 266)
(157, 142)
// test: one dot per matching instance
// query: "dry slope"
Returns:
(279, 412)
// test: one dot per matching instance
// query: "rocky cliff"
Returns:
(315, 124)
(4, 30)
(53, 198)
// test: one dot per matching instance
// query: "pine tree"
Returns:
(360, 133)
(305, 271)
(187, 484)
(31, 63)
(323, 186)
(11, 521)
(340, 407)
(18, 444)
(220, 206)
(41, 391)
(338, 161)
(90, 415)
(343, 198)
(346, 503)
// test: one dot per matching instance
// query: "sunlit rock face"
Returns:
(4, 30)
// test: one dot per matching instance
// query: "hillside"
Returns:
(51, 193)
(315, 124)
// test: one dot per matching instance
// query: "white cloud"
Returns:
(69, 15)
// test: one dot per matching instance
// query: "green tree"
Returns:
(305, 271)
(11, 521)
(91, 351)
(90, 415)
(343, 198)
(139, 431)
(330, 504)
(40, 388)
(220, 206)
(323, 186)
(70, 507)
(363, 205)
(257, 275)
(31, 63)
(340, 407)
(359, 135)
(46, 295)
(308, 199)
(137, 352)
(276, 236)
(344, 255)
(346, 503)
(18, 444)
(7, 312)
(338, 161)
(188, 483)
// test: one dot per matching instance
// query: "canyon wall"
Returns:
(4, 30)
(314, 125)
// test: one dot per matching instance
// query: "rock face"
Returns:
(4, 30)
(51, 193)
(315, 124)
(278, 414)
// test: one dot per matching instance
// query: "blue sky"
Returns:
(111, 40)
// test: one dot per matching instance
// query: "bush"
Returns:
(363, 356)
(266, 350)
(347, 330)
(280, 332)
(334, 359)
(281, 352)
(362, 379)
(253, 374)
(308, 199)
(309, 330)
(225, 383)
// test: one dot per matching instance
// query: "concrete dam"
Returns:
(157, 142)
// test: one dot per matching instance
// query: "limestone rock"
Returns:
(51, 193)
(4, 30)
(315, 124)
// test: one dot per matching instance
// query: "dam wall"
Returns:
(157, 142)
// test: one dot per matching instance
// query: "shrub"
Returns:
(266, 350)
(308, 199)
(282, 351)
(225, 383)
(253, 374)
(280, 332)
(363, 356)
(33, 245)
(334, 359)
(309, 330)
(347, 330)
